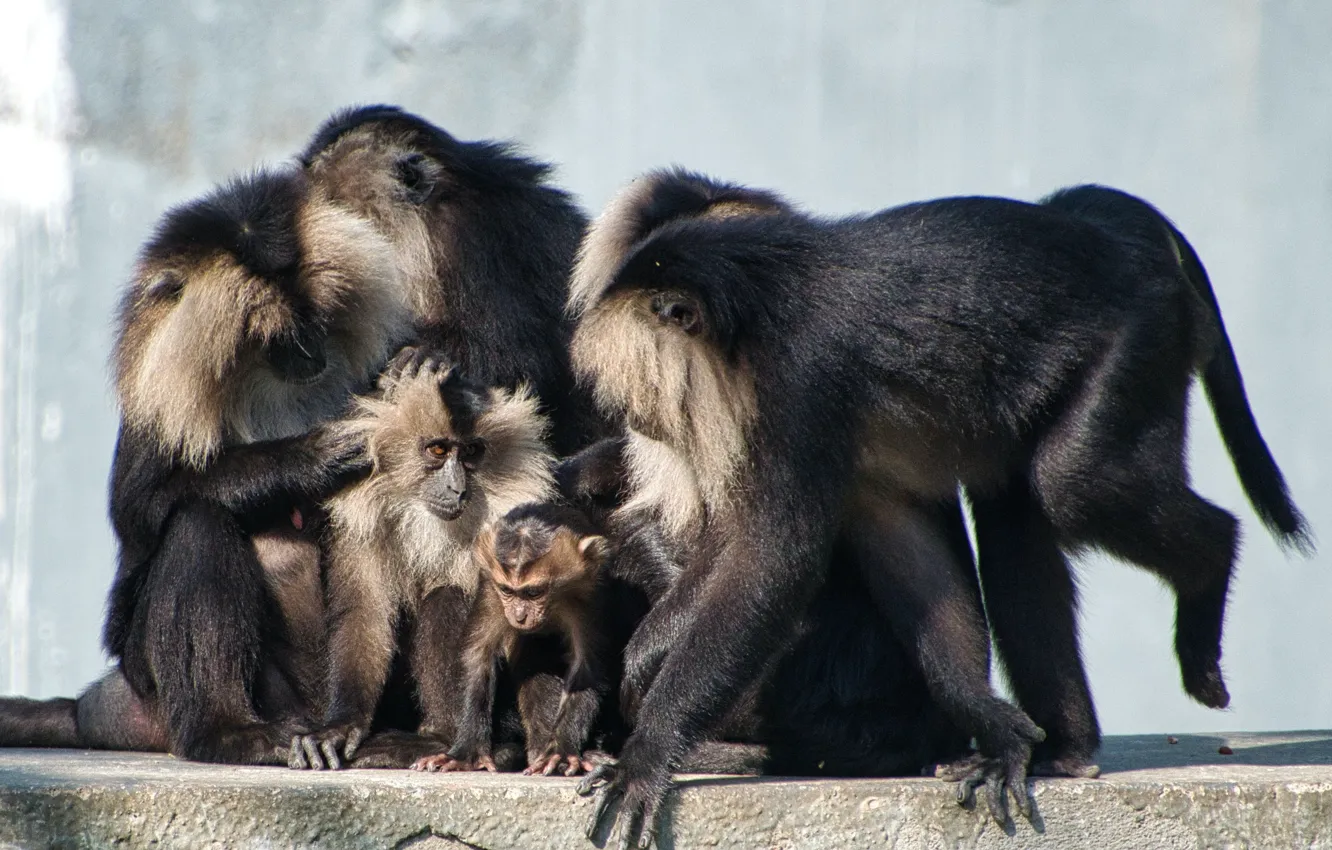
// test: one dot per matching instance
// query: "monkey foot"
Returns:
(566, 765)
(1070, 766)
(326, 748)
(444, 763)
(640, 801)
(1206, 685)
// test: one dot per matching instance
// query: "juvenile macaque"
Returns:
(449, 457)
(542, 612)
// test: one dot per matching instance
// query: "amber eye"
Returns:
(437, 450)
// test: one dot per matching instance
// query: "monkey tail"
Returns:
(39, 723)
(1258, 472)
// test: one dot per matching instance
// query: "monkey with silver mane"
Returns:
(253, 315)
(482, 241)
(449, 456)
(824, 386)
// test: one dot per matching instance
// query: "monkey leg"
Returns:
(1031, 600)
(202, 639)
(437, 641)
(1112, 474)
(911, 569)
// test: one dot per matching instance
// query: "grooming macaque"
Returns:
(449, 456)
(823, 386)
(249, 321)
(253, 316)
(542, 612)
(483, 244)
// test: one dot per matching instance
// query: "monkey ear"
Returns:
(594, 548)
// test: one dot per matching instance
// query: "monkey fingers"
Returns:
(567, 765)
(639, 800)
(326, 748)
(999, 776)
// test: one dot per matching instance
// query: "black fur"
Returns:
(983, 341)
(843, 699)
(505, 242)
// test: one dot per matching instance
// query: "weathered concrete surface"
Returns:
(1274, 791)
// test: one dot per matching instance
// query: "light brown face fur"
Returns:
(190, 369)
(672, 387)
(357, 173)
(388, 512)
(540, 583)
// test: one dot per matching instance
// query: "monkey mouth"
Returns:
(447, 511)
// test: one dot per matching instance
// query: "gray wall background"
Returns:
(1220, 112)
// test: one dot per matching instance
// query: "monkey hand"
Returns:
(624, 788)
(410, 361)
(445, 763)
(1001, 766)
(327, 747)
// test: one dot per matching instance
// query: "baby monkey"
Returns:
(542, 615)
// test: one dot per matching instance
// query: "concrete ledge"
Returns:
(1273, 791)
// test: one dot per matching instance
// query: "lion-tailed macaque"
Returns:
(481, 239)
(449, 456)
(541, 610)
(253, 315)
(826, 384)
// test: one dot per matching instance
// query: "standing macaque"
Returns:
(544, 610)
(449, 457)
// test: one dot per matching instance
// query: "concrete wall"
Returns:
(1221, 112)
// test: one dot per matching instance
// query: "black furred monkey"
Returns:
(824, 383)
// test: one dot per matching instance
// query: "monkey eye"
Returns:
(167, 285)
(437, 450)
(672, 309)
(530, 593)
(418, 174)
(473, 451)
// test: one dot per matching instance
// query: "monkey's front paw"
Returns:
(410, 361)
(1003, 773)
(640, 800)
(445, 763)
(326, 748)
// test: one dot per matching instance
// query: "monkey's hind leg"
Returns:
(1112, 474)
(206, 609)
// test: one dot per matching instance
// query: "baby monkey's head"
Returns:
(543, 562)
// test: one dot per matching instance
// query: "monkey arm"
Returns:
(256, 477)
(361, 642)
(437, 643)
(473, 742)
(774, 551)
(594, 479)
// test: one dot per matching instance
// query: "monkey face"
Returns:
(448, 464)
(539, 567)
(250, 317)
